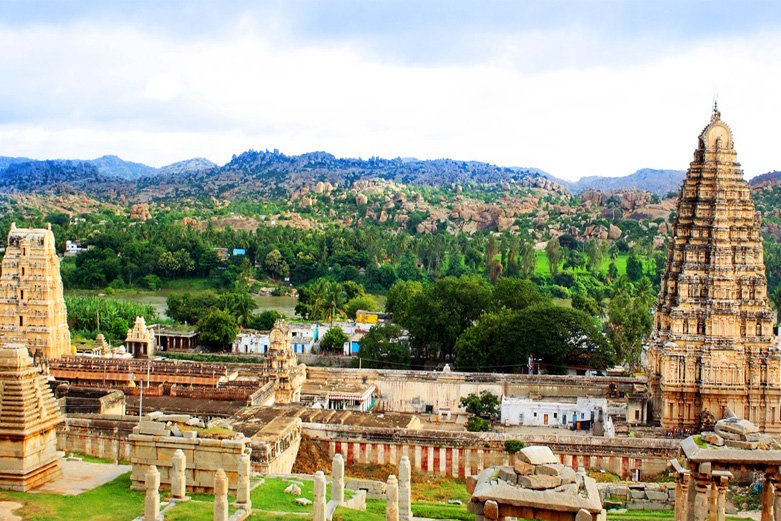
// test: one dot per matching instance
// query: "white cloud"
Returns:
(85, 90)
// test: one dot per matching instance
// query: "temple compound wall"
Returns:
(461, 454)
(32, 307)
(434, 391)
(712, 344)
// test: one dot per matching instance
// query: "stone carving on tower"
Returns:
(712, 346)
(32, 308)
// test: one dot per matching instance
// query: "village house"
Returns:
(577, 414)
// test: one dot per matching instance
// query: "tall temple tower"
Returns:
(712, 343)
(32, 307)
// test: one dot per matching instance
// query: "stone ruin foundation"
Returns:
(537, 486)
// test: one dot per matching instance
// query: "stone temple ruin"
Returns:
(736, 448)
(537, 486)
(29, 417)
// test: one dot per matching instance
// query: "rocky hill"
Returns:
(660, 182)
(764, 180)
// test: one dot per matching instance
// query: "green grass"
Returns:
(113, 501)
(542, 266)
(652, 515)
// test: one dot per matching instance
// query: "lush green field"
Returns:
(542, 266)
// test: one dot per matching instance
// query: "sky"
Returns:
(575, 88)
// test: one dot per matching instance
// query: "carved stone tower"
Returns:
(712, 343)
(32, 308)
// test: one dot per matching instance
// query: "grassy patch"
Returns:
(651, 515)
(113, 501)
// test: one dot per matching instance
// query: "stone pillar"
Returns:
(700, 510)
(777, 499)
(178, 480)
(337, 479)
(319, 505)
(152, 501)
(242, 491)
(392, 495)
(405, 490)
(721, 501)
(220, 496)
(681, 497)
(768, 497)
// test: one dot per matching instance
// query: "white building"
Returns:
(253, 342)
(577, 413)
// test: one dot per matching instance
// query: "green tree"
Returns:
(217, 329)
(634, 268)
(364, 302)
(484, 405)
(629, 323)
(265, 320)
(383, 347)
(516, 293)
(587, 304)
(275, 265)
(441, 312)
(400, 297)
(559, 335)
(333, 340)
(489, 344)
(555, 254)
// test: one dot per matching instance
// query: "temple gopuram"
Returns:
(712, 346)
(32, 307)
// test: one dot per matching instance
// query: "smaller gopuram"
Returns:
(140, 341)
(29, 417)
(32, 307)
(282, 365)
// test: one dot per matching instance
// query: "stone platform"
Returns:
(81, 476)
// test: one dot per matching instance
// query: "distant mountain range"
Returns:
(273, 173)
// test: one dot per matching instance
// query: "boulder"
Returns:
(303, 501)
(549, 469)
(507, 474)
(568, 475)
(539, 481)
(523, 468)
(712, 438)
(537, 455)
(293, 489)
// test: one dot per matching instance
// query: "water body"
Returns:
(285, 305)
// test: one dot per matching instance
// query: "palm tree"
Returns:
(335, 299)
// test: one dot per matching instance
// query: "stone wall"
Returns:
(417, 391)
(460, 454)
(102, 436)
(204, 456)
(639, 496)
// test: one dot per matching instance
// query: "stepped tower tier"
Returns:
(712, 345)
(29, 417)
(32, 307)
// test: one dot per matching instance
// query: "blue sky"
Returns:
(574, 88)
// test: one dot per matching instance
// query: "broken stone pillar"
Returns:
(220, 496)
(700, 508)
(178, 481)
(242, 492)
(152, 501)
(405, 489)
(681, 497)
(337, 479)
(392, 495)
(319, 506)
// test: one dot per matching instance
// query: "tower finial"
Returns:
(716, 114)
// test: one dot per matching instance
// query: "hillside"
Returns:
(660, 182)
